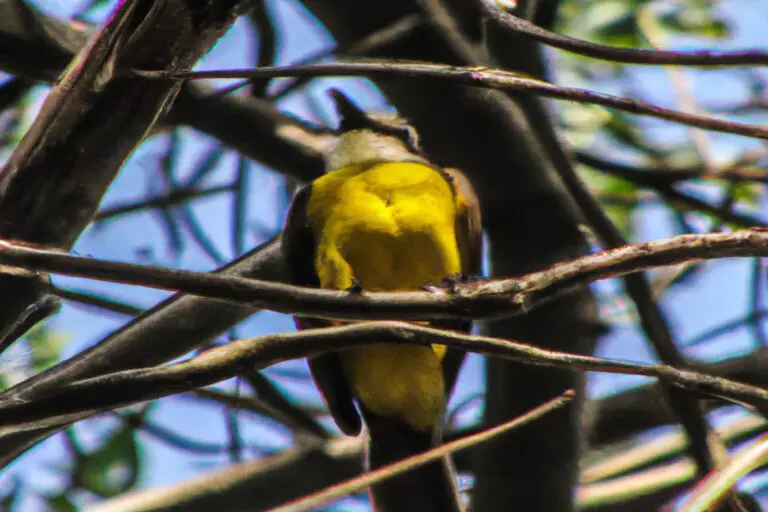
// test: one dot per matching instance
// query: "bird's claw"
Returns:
(452, 282)
(355, 288)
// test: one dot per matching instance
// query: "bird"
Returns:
(383, 217)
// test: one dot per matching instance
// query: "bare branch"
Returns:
(615, 461)
(172, 198)
(741, 171)
(84, 398)
(170, 329)
(92, 300)
(710, 493)
(337, 459)
(249, 125)
(475, 77)
(64, 166)
(709, 58)
(665, 189)
(480, 299)
(390, 470)
(309, 469)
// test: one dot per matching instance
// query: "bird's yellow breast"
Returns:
(388, 226)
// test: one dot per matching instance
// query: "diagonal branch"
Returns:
(486, 77)
(372, 477)
(53, 182)
(705, 447)
(85, 398)
(710, 58)
(321, 465)
(172, 328)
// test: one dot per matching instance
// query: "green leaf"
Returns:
(748, 193)
(114, 467)
(696, 21)
(622, 31)
(45, 345)
(61, 503)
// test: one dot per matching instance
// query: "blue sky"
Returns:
(717, 294)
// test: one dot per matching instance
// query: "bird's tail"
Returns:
(429, 488)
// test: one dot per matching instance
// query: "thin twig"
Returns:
(709, 58)
(31, 316)
(97, 301)
(665, 188)
(476, 76)
(725, 328)
(742, 171)
(170, 437)
(710, 492)
(359, 483)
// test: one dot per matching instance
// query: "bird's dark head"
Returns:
(389, 135)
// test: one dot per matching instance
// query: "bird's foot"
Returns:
(449, 283)
(452, 281)
(355, 288)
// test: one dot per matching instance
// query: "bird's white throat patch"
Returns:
(361, 146)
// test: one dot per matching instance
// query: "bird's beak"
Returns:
(350, 115)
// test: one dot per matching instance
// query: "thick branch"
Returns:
(169, 330)
(481, 299)
(42, 46)
(90, 396)
(53, 182)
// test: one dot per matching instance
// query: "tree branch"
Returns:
(169, 330)
(62, 165)
(474, 77)
(480, 299)
(318, 466)
(337, 460)
(84, 398)
(665, 188)
(251, 126)
(711, 58)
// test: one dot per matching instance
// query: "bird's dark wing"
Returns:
(469, 228)
(469, 235)
(298, 246)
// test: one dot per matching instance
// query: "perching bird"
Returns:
(384, 218)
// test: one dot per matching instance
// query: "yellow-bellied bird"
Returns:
(384, 218)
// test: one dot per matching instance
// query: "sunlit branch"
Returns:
(479, 299)
(89, 396)
(363, 481)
